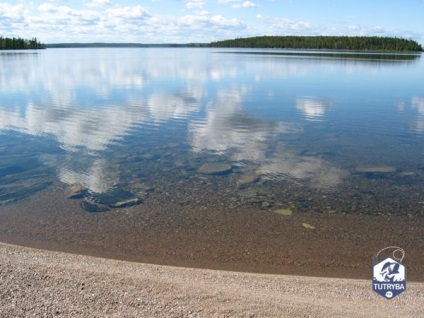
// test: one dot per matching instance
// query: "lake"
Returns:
(259, 160)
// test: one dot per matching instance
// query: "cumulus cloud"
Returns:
(244, 4)
(278, 25)
(190, 4)
(13, 12)
(99, 20)
(237, 4)
(136, 12)
(98, 3)
(107, 20)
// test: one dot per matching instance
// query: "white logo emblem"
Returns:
(389, 276)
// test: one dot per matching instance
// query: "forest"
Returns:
(350, 43)
(119, 45)
(20, 44)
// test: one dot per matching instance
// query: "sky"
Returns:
(188, 21)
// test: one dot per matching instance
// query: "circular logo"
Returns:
(389, 294)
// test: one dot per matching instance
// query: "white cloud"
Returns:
(111, 21)
(55, 22)
(136, 12)
(12, 11)
(278, 25)
(190, 4)
(63, 15)
(244, 4)
(237, 4)
(98, 3)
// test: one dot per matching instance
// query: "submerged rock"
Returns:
(286, 212)
(76, 191)
(92, 208)
(308, 226)
(375, 169)
(115, 198)
(248, 193)
(127, 202)
(246, 180)
(215, 168)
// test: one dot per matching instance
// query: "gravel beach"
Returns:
(40, 283)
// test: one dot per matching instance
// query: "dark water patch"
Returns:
(93, 208)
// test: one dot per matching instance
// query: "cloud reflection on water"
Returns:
(313, 108)
(88, 100)
(228, 130)
(417, 104)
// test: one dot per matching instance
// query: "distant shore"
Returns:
(334, 43)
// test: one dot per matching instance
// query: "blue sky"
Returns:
(183, 21)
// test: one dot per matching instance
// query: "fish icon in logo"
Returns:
(389, 278)
(390, 272)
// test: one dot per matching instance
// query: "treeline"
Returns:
(351, 43)
(20, 44)
(120, 45)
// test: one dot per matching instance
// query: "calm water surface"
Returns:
(314, 133)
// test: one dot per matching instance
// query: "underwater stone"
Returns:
(248, 193)
(126, 203)
(76, 191)
(92, 208)
(246, 180)
(308, 226)
(375, 169)
(215, 169)
(115, 198)
(286, 212)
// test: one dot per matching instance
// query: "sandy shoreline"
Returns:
(245, 240)
(54, 284)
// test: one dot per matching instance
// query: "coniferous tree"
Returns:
(352, 43)
(20, 44)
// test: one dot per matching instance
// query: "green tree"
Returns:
(351, 43)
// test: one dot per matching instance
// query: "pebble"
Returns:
(286, 212)
(308, 226)
(215, 168)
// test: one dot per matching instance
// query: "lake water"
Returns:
(270, 131)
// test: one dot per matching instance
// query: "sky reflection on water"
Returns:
(278, 116)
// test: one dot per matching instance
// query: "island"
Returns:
(346, 43)
(20, 44)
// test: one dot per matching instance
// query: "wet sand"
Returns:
(245, 240)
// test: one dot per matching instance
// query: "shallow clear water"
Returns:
(310, 132)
